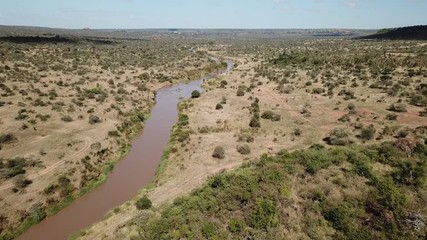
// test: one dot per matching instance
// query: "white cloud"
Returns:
(351, 3)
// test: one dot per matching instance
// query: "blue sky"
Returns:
(214, 13)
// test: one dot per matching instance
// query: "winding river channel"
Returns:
(129, 175)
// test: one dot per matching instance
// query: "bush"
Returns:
(391, 117)
(318, 90)
(7, 138)
(340, 216)
(339, 136)
(66, 118)
(94, 119)
(223, 84)
(297, 132)
(208, 230)
(218, 106)
(21, 181)
(236, 225)
(143, 203)
(113, 133)
(245, 138)
(244, 149)
(389, 195)
(195, 94)
(240, 92)
(254, 123)
(351, 106)
(367, 133)
(219, 152)
(345, 118)
(398, 107)
(270, 115)
(265, 214)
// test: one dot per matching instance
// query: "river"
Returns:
(129, 175)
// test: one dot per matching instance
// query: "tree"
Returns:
(143, 203)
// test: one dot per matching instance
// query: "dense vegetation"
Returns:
(365, 192)
(405, 33)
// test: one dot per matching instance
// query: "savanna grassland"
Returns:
(69, 107)
(303, 139)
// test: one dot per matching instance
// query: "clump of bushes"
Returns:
(219, 152)
(255, 122)
(15, 166)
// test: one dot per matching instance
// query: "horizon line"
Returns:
(205, 28)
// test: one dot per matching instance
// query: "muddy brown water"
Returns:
(129, 175)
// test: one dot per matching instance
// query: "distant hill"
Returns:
(404, 33)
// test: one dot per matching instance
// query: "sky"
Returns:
(139, 14)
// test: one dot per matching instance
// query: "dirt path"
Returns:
(9, 184)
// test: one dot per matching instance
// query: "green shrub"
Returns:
(208, 230)
(195, 94)
(389, 194)
(265, 214)
(143, 203)
(341, 216)
(236, 225)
